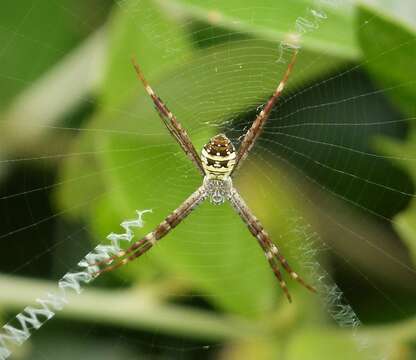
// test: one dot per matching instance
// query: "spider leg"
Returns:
(170, 121)
(275, 251)
(171, 221)
(270, 249)
(257, 127)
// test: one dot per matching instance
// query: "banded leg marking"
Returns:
(172, 124)
(271, 251)
(258, 124)
(276, 254)
(144, 244)
(274, 266)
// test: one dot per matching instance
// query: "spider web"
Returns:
(325, 192)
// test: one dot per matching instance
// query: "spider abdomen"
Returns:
(218, 157)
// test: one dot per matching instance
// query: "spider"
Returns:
(217, 164)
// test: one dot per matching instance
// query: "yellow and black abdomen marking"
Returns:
(218, 156)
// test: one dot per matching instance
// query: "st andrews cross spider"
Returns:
(217, 164)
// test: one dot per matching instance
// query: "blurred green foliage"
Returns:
(396, 72)
(214, 63)
(36, 35)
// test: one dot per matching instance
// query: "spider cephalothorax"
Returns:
(218, 190)
(217, 164)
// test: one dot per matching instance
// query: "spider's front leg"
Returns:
(144, 244)
(172, 124)
(257, 126)
(270, 249)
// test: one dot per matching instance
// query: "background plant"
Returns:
(82, 149)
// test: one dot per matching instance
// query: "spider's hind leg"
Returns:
(275, 268)
(133, 252)
(270, 249)
(294, 275)
(275, 259)
(146, 243)
(273, 252)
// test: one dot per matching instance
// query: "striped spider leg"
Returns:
(217, 163)
(170, 121)
(257, 127)
(271, 251)
(170, 222)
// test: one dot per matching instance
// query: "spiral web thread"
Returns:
(32, 318)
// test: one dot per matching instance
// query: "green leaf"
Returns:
(390, 60)
(312, 344)
(81, 184)
(140, 29)
(127, 37)
(326, 29)
(401, 11)
(260, 348)
(404, 154)
(35, 35)
(405, 224)
(389, 47)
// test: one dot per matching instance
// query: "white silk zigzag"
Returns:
(32, 318)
